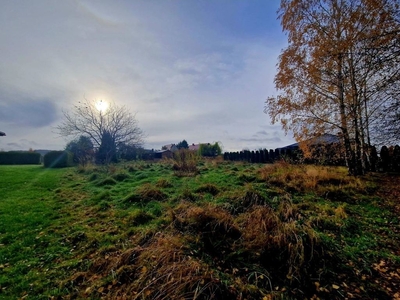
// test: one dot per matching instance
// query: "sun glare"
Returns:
(101, 105)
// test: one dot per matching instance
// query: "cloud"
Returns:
(23, 112)
(262, 132)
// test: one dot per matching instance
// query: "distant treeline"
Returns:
(386, 160)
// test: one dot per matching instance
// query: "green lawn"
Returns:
(27, 209)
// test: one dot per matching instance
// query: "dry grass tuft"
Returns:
(310, 178)
(169, 272)
(278, 238)
(208, 188)
(163, 183)
(160, 269)
(208, 220)
(185, 163)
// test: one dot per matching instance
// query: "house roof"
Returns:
(170, 147)
(196, 147)
(322, 139)
(163, 151)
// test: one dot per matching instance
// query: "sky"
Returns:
(195, 70)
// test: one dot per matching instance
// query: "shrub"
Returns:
(210, 150)
(185, 162)
(19, 158)
(57, 159)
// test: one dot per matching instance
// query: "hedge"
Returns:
(19, 158)
(57, 159)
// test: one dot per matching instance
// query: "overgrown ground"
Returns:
(216, 231)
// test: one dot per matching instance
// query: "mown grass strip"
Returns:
(27, 209)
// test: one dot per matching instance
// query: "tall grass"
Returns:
(185, 162)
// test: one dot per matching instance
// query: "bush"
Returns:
(210, 150)
(185, 162)
(19, 158)
(57, 159)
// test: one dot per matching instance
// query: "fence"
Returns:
(387, 160)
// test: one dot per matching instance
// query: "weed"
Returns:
(185, 163)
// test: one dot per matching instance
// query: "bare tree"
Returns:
(95, 121)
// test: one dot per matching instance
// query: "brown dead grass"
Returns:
(310, 178)
(185, 163)
(195, 257)
(278, 237)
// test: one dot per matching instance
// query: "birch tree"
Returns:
(342, 58)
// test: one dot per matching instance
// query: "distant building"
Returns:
(325, 139)
(196, 147)
(163, 154)
(170, 147)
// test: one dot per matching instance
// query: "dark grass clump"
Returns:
(188, 195)
(214, 225)
(120, 176)
(145, 193)
(208, 188)
(139, 217)
(93, 176)
(240, 201)
(103, 196)
(278, 241)
(163, 183)
(107, 181)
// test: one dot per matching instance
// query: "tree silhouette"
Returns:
(115, 124)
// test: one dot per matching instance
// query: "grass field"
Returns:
(205, 230)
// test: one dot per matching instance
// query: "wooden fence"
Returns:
(386, 160)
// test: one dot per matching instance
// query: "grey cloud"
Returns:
(262, 132)
(15, 145)
(28, 113)
(263, 140)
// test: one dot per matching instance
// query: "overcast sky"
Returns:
(190, 69)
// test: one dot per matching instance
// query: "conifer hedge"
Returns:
(19, 158)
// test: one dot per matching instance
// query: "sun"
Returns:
(101, 106)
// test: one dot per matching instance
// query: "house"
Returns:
(170, 147)
(196, 147)
(326, 149)
(325, 139)
(163, 154)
